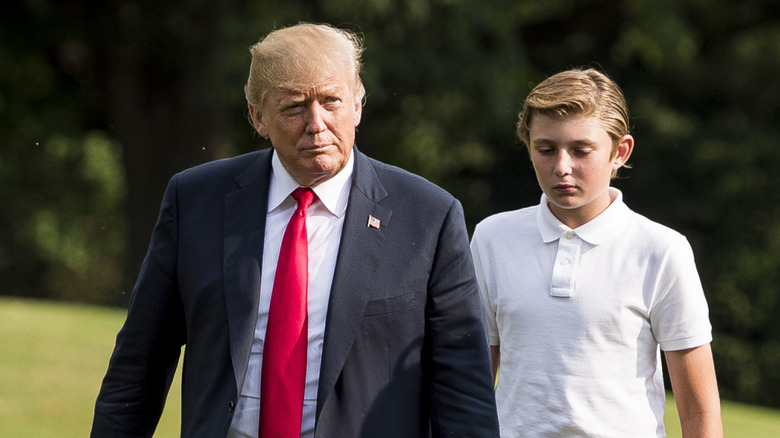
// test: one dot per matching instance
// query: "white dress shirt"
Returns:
(324, 222)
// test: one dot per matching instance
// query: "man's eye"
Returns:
(292, 107)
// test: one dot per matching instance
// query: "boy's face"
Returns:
(573, 160)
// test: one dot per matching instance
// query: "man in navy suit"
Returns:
(396, 341)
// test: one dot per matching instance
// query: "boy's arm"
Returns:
(495, 358)
(695, 388)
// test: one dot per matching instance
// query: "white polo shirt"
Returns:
(579, 315)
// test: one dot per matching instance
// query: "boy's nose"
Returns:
(563, 163)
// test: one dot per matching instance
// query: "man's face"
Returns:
(312, 129)
(573, 160)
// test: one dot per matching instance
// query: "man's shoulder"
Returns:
(398, 181)
(223, 168)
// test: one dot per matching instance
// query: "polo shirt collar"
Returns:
(597, 231)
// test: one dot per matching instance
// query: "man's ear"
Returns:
(257, 120)
(358, 112)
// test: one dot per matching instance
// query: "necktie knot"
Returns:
(304, 196)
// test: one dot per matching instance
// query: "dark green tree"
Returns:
(62, 231)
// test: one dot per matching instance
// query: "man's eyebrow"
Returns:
(294, 94)
(329, 89)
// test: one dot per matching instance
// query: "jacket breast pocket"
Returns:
(388, 305)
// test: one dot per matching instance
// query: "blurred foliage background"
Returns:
(101, 102)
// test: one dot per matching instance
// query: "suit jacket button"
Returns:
(231, 406)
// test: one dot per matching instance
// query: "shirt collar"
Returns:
(333, 193)
(598, 230)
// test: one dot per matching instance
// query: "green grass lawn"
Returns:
(53, 357)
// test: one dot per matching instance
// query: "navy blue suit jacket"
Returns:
(405, 352)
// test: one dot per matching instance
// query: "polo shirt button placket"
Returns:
(565, 268)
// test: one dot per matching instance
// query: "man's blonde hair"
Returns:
(585, 92)
(303, 56)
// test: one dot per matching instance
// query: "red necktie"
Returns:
(284, 353)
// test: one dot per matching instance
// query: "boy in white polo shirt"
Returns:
(582, 293)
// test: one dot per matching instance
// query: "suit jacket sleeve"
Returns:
(461, 390)
(148, 346)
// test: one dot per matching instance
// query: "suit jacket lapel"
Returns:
(358, 259)
(245, 214)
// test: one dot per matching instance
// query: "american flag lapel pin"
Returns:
(373, 222)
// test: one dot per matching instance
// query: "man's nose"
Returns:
(316, 122)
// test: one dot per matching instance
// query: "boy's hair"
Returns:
(585, 92)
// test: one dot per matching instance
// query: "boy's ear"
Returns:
(624, 148)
